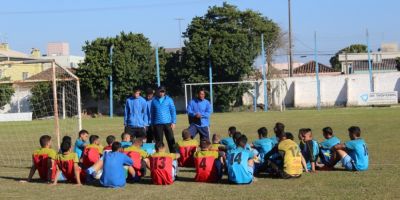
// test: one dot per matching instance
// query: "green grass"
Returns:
(380, 127)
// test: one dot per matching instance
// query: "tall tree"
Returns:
(133, 65)
(6, 92)
(235, 43)
(354, 48)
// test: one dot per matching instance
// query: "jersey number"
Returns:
(161, 165)
(237, 158)
(295, 151)
(203, 163)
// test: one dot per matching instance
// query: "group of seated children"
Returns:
(129, 159)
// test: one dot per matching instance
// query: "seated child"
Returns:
(115, 165)
(326, 146)
(163, 166)
(240, 163)
(81, 142)
(309, 148)
(353, 153)
(186, 149)
(126, 140)
(92, 152)
(263, 145)
(228, 141)
(208, 163)
(43, 161)
(110, 139)
(216, 143)
(67, 164)
(139, 158)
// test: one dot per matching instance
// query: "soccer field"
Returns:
(380, 127)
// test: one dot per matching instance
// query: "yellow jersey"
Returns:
(291, 157)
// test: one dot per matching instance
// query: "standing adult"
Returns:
(149, 129)
(136, 115)
(163, 114)
(199, 112)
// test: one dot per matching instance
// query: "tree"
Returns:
(41, 101)
(133, 65)
(6, 92)
(354, 48)
(235, 43)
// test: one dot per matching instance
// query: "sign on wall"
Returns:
(378, 98)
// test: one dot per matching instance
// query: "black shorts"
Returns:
(135, 132)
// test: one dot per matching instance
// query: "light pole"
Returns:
(180, 31)
(290, 40)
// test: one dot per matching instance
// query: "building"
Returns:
(383, 60)
(17, 72)
(309, 68)
(59, 51)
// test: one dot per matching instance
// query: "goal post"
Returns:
(251, 94)
(48, 102)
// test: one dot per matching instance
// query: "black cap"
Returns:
(149, 91)
(161, 88)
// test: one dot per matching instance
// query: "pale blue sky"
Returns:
(26, 24)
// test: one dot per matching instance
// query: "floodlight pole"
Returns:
(317, 72)
(111, 84)
(210, 75)
(371, 83)
(264, 74)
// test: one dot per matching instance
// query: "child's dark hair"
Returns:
(289, 135)
(204, 144)
(82, 132)
(159, 145)
(232, 130)
(65, 146)
(236, 136)
(66, 139)
(263, 131)
(279, 128)
(215, 138)
(93, 138)
(115, 146)
(355, 130)
(281, 135)
(44, 140)
(123, 135)
(327, 130)
(110, 139)
(241, 141)
(186, 134)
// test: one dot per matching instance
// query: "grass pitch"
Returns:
(380, 128)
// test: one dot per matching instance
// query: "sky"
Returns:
(338, 23)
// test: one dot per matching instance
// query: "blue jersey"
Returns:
(274, 139)
(228, 142)
(125, 144)
(325, 149)
(358, 151)
(79, 146)
(149, 148)
(238, 169)
(114, 174)
(310, 151)
(263, 146)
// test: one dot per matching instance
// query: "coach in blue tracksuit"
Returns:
(136, 115)
(199, 111)
(163, 118)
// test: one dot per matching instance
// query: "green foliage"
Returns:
(235, 43)
(133, 65)
(354, 48)
(6, 92)
(41, 101)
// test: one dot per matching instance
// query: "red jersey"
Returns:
(107, 149)
(186, 150)
(161, 168)
(91, 154)
(136, 154)
(205, 166)
(41, 158)
(66, 164)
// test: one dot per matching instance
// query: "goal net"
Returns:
(43, 100)
(241, 95)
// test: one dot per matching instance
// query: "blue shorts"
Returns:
(348, 163)
(203, 131)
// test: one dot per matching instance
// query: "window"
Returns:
(24, 75)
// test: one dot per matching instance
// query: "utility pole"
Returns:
(180, 31)
(290, 41)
